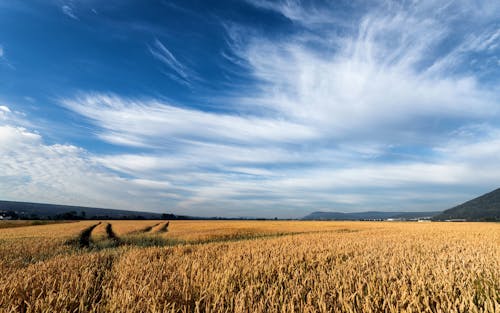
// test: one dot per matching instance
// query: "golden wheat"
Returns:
(250, 266)
(127, 227)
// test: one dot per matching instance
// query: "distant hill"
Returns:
(483, 208)
(27, 210)
(370, 215)
(45, 211)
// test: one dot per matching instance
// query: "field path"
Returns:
(146, 229)
(111, 234)
(163, 228)
(84, 238)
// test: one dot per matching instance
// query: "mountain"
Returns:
(50, 211)
(483, 208)
(370, 215)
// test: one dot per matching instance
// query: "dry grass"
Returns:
(264, 267)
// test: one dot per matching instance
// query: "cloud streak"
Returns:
(382, 108)
(153, 123)
(180, 73)
(67, 9)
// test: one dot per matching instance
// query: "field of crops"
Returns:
(250, 266)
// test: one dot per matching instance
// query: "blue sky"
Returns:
(249, 108)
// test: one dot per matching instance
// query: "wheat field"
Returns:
(250, 266)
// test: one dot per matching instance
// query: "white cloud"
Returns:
(163, 54)
(152, 123)
(152, 184)
(301, 12)
(16, 136)
(35, 171)
(381, 115)
(325, 125)
(372, 82)
(159, 51)
(67, 9)
(4, 110)
(489, 41)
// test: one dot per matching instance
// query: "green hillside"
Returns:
(483, 208)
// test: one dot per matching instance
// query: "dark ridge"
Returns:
(483, 208)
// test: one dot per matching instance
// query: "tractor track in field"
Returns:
(145, 229)
(163, 228)
(84, 237)
(111, 234)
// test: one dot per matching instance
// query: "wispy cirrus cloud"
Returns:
(206, 179)
(374, 110)
(385, 73)
(68, 9)
(153, 123)
(3, 58)
(180, 73)
(386, 107)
